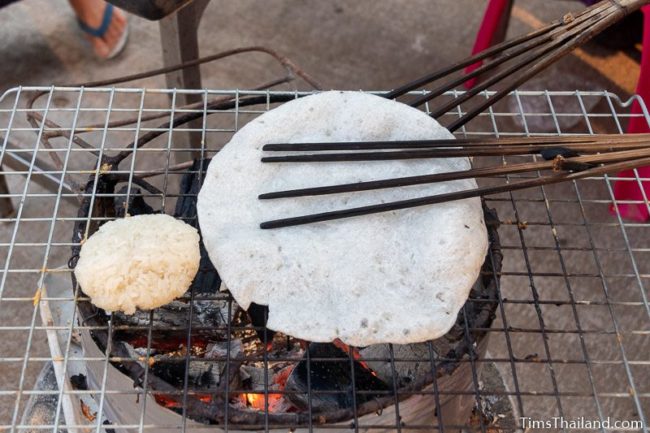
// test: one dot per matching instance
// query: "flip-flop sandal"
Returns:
(100, 31)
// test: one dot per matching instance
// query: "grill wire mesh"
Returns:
(572, 333)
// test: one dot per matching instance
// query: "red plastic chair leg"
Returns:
(631, 190)
(495, 21)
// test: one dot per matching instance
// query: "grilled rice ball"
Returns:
(139, 262)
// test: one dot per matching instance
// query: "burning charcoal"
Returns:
(407, 372)
(211, 313)
(171, 368)
(205, 314)
(258, 315)
(253, 376)
(201, 374)
(255, 379)
(137, 205)
(220, 350)
(331, 376)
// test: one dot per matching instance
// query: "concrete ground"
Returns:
(365, 44)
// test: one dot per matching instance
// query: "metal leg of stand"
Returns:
(178, 34)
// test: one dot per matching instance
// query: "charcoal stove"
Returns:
(571, 298)
(220, 364)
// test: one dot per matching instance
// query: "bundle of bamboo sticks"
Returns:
(561, 159)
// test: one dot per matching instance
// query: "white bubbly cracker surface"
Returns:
(143, 261)
(397, 277)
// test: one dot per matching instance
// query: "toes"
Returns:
(113, 36)
(100, 47)
(103, 46)
(114, 32)
(119, 18)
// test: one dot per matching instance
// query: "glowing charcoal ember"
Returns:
(264, 384)
(260, 401)
(334, 377)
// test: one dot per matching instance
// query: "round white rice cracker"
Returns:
(143, 262)
(398, 277)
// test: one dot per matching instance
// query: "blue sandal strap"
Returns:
(100, 31)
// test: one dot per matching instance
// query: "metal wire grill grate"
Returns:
(570, 339)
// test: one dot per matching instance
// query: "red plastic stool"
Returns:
(491, 32)
(625, 189)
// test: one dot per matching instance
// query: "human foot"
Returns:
(105, 26)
